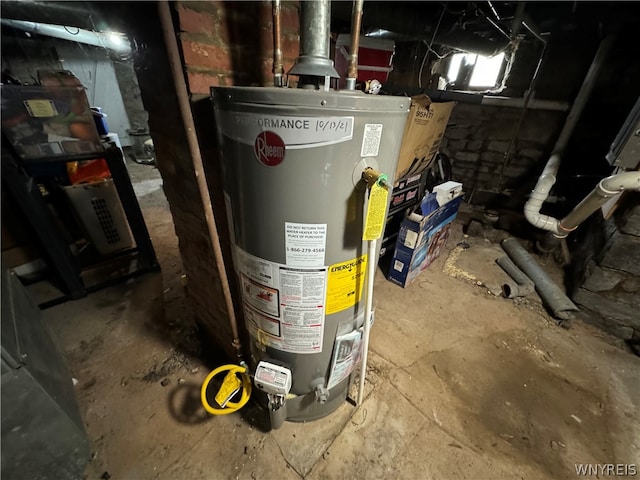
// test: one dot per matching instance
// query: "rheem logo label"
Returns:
(269, 149)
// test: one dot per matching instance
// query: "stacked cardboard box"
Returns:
(421, 140)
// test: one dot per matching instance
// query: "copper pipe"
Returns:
(278, 68)
(356, 21)
(198, 167)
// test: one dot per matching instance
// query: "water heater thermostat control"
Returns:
(273, 379)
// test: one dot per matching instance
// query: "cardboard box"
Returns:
(407, 191)
(420, 241)
(388, 245)
(404, 198)
(423, 134)
(391, 229)
(408, 181)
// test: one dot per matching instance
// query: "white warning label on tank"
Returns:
(305, 244)
(284, 306)
(302, 304)
(260, 297)
(296, 132)
(255, 320)
(256, 268)
(371, 140)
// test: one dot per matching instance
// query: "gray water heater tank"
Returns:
(292, 162)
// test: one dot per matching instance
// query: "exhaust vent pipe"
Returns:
(314, 63)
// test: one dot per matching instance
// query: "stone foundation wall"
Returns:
(611, 288)
(478, 137)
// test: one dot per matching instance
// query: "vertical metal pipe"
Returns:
(278, 68)
(356, 21)
(315, 26)
(314, 63)
(198, 167)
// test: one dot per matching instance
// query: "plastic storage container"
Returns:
(48, 121)
(375, 58)
(101, 214)
(100, 119)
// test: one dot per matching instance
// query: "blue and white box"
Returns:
(420, 241)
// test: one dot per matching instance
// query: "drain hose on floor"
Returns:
(230, 386)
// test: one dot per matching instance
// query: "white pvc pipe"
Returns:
(622, 181)
(606, 189)
(371, 272)
(540, 194)
(111, 41)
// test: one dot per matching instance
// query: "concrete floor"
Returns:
(461, 383)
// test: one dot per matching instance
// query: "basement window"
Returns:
(469, 71)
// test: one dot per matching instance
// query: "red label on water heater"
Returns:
(269, 148)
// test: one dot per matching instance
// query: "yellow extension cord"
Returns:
(230, 407)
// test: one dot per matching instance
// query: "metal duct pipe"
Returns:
(549, 292)
(177, 73)
(521, 285)
(606, 189)
(111, 41)
(356, 20)
(315, 27)
(278, 68)
(547, 179)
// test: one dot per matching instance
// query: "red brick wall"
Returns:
(231, 43)
(222, 43)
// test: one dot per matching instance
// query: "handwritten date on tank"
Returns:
(332, 125)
